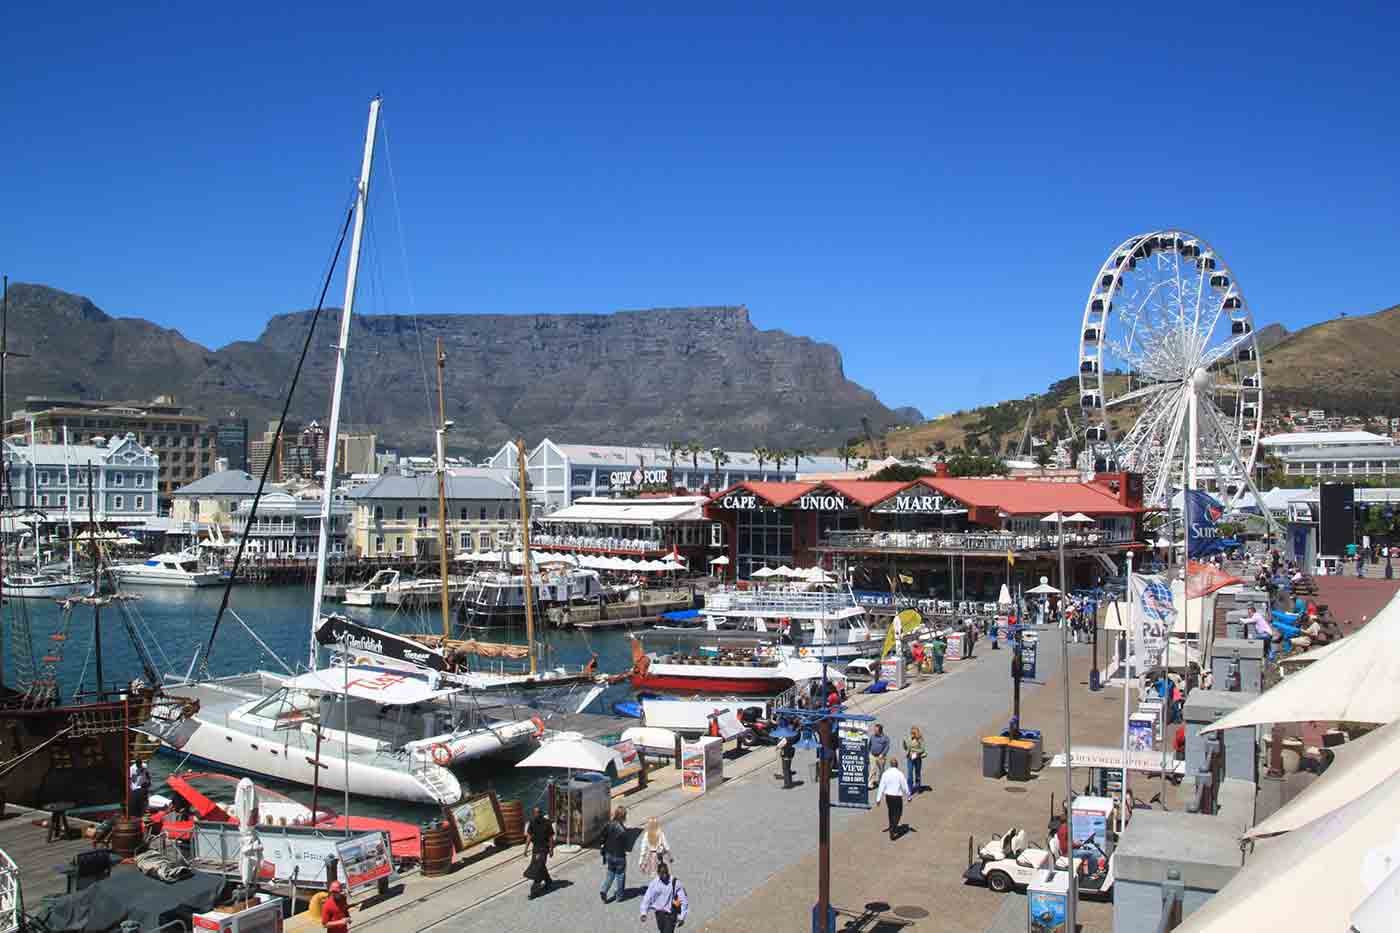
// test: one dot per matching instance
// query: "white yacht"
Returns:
(377, 589)
(392, 733)
(820, 624)
(45, 584)
(182, 569)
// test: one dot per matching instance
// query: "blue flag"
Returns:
(1202, 531)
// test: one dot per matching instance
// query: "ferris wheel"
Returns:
(1170, 383)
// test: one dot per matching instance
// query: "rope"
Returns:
(8, 766)
(277, 436)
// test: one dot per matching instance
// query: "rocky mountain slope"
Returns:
(701, 374)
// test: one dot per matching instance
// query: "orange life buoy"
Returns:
(539, 725)
(442, 755)
(802, 652)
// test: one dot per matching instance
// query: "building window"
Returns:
(379, 513)
(422, 516)
(466, 539)
(140, 503)
(82, 502)
(486, 542)
(464, 515)
(44, 498)
(118, 479)
(63, 501)
(141, 481)
(398, 516)
(118, 502)
(398, 545)
(379, 544)
(483, 513)
(501, 513)
(43, 478)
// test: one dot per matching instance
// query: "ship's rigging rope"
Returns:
(277, 435)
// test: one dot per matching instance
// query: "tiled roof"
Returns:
(1028, 497)
(424, 486)
(224, 483)
(865, 492)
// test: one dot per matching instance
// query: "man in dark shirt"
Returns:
(539, 842)
(615, 855)
(879, 752)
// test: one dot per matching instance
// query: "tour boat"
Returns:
(376, 591)
(496, 599)
(46, 584)
(182, 569)
(821, 623)
(740, 663)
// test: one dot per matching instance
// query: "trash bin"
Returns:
(994, 756)
(1033, 736)
(1018, 760)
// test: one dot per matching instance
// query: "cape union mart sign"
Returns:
(807, 502)
(920, 503)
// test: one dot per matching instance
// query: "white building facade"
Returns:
(289, 527)
(54, 480)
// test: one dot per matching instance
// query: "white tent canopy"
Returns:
(1359, 767)
(1314, 877)
(1355, 683)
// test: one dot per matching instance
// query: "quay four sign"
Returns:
(639, 477)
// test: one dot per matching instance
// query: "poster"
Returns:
(1047, 911)
(476, 820)
(892, 671)
(956, 643)
(1089, 833)
(365, 860)
(701, 765)
(1141, 730)
(1152, 617)
(631, 761)
(853, 763)
(1030, 649)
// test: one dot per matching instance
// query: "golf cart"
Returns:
(1007, 862)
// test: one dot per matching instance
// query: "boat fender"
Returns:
(442, 755)
(539, 725)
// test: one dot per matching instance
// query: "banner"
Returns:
(1202, 531)
(1153, 615)
(1202, 579)
(853, 763)
(352, 638)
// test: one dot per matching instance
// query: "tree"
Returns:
(675, 449)
(974, 464)
(778, 455)
(847, 453)
(762, 455)
(797, 454)
(720, 458)
(901, 473)
(1042, 457)
(694, 449)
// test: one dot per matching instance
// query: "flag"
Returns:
(1010, 558)
(906, 579)
(1153, 616)
(1202, 530)
(1202, 579)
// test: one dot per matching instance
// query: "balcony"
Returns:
(778, 601)
(990, 542)
(589, 543)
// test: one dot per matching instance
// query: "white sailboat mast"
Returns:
(351, 275)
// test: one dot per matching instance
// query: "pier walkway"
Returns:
(746, 851)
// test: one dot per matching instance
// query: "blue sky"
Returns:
(933, 193)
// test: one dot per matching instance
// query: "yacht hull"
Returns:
(136, 577)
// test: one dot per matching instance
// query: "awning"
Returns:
(1354, 683)
(1314, 877)
(1359, 767)
(388, 688)
(626, 512)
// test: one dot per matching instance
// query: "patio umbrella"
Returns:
(1004, 597)
(250, 848)
(573, 752)
(1054, 518)
(789, 572)
(721, 561)
(1079, 518)
(1359, 767)
(1314, 877)
(763, 573)
(1044, 588)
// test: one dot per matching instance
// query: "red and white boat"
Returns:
(738, 663)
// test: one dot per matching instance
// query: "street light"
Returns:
(1072, 901)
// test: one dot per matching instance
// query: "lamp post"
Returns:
(1072, 901)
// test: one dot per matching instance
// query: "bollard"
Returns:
(678, 752)
(642, 776)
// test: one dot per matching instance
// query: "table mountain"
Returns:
(704, 374)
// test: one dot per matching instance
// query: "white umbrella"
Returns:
(1053, 518)
(817, 575)
(762, 573)
(1314, 877)
(250, 848)
(787, 571)
(572, 751)
(1004, 597)
(721, 561)
(1354, 683)
(1359, 767)
(1045, 588)
(1079, 518)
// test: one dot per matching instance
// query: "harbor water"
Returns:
(174, 622)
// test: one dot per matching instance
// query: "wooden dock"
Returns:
(40, 862)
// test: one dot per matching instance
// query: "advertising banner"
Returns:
(1153, 615)
(352, 638)
(365, 860)
(701, 764)
(476, 820)
(853, 763)
(1030, 651)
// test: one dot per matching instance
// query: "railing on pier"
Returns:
(997, 542)
(778, 601)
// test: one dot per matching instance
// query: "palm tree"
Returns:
(779, 455)
(797, 454)
(675, 449)
(761, 454)
(846, 453)
(695, 449)
(720, 458)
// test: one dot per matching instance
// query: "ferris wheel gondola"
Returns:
(1168, 339)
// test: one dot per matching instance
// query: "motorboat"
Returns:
(819, 623)
(708, 662)
(45, 584)
(169, 569)
(386, 732)
(378, 588)
(496, 599)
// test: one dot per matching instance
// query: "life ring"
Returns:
(802, 652)
(539, 725)
(442, 755)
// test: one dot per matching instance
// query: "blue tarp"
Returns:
(681, 615)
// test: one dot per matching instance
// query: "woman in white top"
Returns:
(654, 848)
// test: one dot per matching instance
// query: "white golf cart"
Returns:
(1007, 862)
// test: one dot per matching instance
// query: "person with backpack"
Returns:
(667, 899)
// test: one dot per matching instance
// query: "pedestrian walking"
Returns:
(655, 850)
(539, 845)
(938, 648)
(879, 753)
(992, 630)
(665, 897)
(786, 752)
(914, 750)
(892, 789)
(335, 910)
(140, 781)
(615, 855)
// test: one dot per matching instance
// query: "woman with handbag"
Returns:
(655, 850)
(915, 750)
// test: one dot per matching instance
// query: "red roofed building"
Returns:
(950, 535)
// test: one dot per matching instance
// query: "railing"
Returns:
(990, 541)
(636, 545)
(777, 601)
(11, 898)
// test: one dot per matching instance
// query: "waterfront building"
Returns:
(183, 440)
(1342, 462)
(397, 515)
(214, 499)
(1285, 445)
(288, 526)
(232, 441)
(560, 474)
(645, 527)
(947, 535)
(53, 480)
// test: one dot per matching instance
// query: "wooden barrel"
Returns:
(437, 850)
(126, 836)
(512, 823)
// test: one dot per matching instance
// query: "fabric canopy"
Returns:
(1308, 657)
(1355, 683)
(1314, 877)
(367, 683)
(763, 573)
(572, 751)
(722, 561)
(1359, 767)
